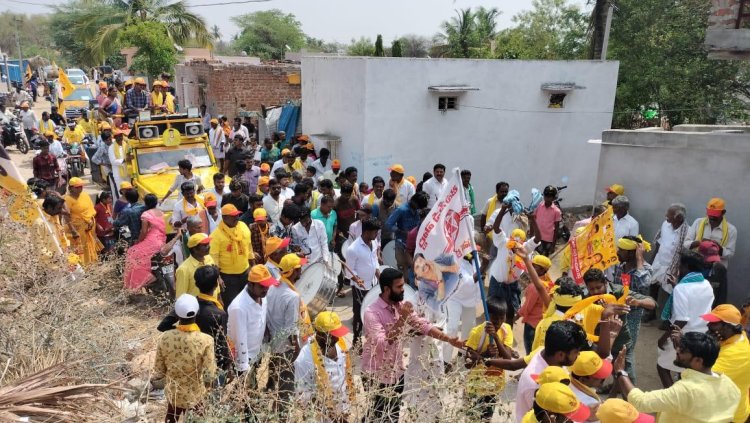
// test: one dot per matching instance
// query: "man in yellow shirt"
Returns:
(567, 294)
(198, 244)
(700, 396)
(232, 252)
(73, 133)
(724, 322)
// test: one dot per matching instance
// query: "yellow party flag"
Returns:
(28, 73)
(66, 86)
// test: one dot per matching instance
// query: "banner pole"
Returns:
(475, 254)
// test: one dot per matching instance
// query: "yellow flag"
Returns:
(66, 86)
(28, 73)
(594, 247)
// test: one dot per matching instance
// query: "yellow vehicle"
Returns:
(71, 106)
(157, 143)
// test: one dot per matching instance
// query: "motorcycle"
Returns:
(73, 161)
(162, 268)
(36, 141)
(13, 134)
(563, 230)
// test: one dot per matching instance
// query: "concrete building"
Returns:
(689, 165)
(224, 85)
(728, 34)
(525, 122)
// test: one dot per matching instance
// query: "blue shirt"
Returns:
(401, 221)
(329, 222)
(131, 217)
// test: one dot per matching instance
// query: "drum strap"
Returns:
(305, 324)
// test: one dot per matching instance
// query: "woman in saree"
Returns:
(83, 240)
(151, 239)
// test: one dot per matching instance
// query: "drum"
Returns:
(389, 255)
(410, 295)
(336, 266)
(317, 287)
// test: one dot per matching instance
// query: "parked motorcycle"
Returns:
(162, 268)
(13, 134)
(563, 230)
(73, 160)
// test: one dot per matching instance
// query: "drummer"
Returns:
(310, 235)
(362, 259)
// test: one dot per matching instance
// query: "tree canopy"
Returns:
(268, 34)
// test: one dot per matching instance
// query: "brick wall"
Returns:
(723, 13)
(223, 87)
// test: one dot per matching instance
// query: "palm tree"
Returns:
(460, 33)
(486, 24)
(99, 23)
(216, 33)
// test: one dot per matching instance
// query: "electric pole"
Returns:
(21, 69)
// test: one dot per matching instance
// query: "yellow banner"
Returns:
(594, 247)
(28, 73)
(66, 87)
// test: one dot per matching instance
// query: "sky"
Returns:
(337, 20)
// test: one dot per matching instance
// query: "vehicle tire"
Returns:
(23, 146)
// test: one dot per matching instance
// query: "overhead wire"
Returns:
(224, 3)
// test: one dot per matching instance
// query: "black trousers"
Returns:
(717, 276)
(386, 406)
(357, 296)
(233, 285)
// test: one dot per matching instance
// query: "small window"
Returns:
(556, 101)
(447, 103)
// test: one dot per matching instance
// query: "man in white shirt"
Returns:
(669, 240)
(118, 159)
(691, 298)
(55, 146)
(273, 202)
(403, 188)
(328, 343)
(362, 259)
(625, 224)
(715, 227)
(28, 118)
(310, 234)
(435, 185)
(189, 206)
(239, 128)
(247, 319)
(185, 169)
(323, 163)
(563, 342)
(218, 141)
(220, 188)
(378, 188)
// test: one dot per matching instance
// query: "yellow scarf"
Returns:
(119, 151)
(236, 237)
(371, 199)
(724, 230)
(211, 299)
(188, 328)
(189, 209)
(491, 209)
(45, 127)
(585, 389)
(305, 324)
(592, 313)
(321, 376)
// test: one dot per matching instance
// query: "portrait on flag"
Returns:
(594, 247)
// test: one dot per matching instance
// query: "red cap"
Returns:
(710, 251)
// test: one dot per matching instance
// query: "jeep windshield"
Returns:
(160, 159)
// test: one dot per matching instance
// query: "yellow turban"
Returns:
(518, 233)
(542, 261)
(565, 300)
(630, 245)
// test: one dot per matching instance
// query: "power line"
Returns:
(29, 2)
(228, 2)
(559, 111)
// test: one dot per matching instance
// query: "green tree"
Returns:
(98, 24)
(552, 30)
(156, 53)
(664, 65)
(414, 45)
(460, 34)
(396, 49)
(268, 34)
(361, 47)
(379, 46)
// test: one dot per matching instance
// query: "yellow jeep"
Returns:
(157, 143)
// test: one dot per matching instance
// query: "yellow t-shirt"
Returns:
(75, 135)
(482, 380)
(185, 277)
(734, 361)
(231, 249)
(541, 329)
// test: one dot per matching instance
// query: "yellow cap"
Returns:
(726, 313)
(102, 84)
(50, 134)
(542, 261)
(397, 168)
(412, 179)
(335, 163)
(76, 182)
(140, 81)
(590, 364)
(260, 214)
(273, 244)
(214, 120)
(126, 185)
(617, 189)
(230, 210)
(290, 262)
(265, 167)
(558, 398)
(551, 374)
(309, 146)
(209, 200)
(261, 275)
(264, 180)
(285, 152)
(24, 104)
(330, 323)
(519, 234)
(199, 238)
(128, 82)
(615, 410)
(715, 207)
(157, 83)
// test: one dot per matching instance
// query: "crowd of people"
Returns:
(241, 247)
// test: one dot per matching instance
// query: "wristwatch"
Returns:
(619, 373)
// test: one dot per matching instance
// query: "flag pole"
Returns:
(475, 254)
